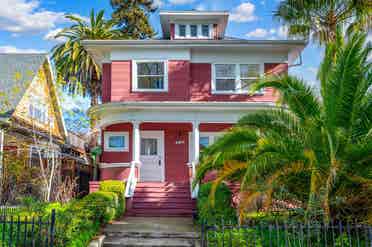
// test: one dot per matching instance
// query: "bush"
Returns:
(222, 208)
(117, 187)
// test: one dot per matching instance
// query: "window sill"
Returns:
(117, 150)
(150, 90)
(237, 93)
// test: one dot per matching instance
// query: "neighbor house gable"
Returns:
(39, 107)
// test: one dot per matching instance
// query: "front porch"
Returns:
(155, 147)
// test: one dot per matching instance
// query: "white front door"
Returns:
(152, 156)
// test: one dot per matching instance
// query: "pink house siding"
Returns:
(106, 82)
(118, 157)
(178, 83)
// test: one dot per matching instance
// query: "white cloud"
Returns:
(158, 3)
(312, 69)
(258, 33)
(271, 34)
(51, 35)
(13, 49)
(201, 7)
(25, 16)
(244, 13)
(180, 2)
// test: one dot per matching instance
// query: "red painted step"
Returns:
(162, 199)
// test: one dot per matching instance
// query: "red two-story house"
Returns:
(165, 99)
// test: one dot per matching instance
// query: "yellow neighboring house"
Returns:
(31, 120)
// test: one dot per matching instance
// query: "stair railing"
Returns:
(194, 189)
(132, 180)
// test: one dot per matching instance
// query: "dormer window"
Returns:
(182, 30)
(205, 30)
(193, 31)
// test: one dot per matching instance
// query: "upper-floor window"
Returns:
(150, 76)
(193, 31)
(234, 78)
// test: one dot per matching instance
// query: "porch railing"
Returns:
(194, 189)
(132, 181)
(297, 234)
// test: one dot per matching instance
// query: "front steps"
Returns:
(161, 200)
(152, 231)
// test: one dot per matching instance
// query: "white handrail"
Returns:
(132, 180)
(194, 190)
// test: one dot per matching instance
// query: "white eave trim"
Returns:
(180, 105)
(113, 165)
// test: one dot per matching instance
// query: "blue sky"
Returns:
(28, 25)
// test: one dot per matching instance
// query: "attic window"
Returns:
(205, 30)
(38, 112)
(182, 30)
(193, 30)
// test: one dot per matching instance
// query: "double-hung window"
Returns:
(116, 141)
(150, 76)
(38, 112)
(234, 78)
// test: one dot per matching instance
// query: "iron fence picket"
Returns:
(16, 232)
(286, 234)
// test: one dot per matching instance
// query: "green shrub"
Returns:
(222, 208)
(117, 187)
(79, 221)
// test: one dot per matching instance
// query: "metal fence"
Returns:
(287, 234)
(35, 231)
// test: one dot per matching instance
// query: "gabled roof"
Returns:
(16, 73)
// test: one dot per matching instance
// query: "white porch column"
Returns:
(196, 136)
(136, 142)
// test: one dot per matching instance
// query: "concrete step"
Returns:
(160, 213)
(149, 242)
(152, 234)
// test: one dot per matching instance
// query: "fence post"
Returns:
(52, 224)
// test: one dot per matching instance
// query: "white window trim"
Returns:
(188, 31)
(238, 81)
(212, 138)
(108, 134)
(135, 77)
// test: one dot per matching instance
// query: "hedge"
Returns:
(80, 220)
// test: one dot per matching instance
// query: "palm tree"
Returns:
(327, 137)
(74, 64)
(321, 19)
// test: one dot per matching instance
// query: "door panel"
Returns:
(152, 156)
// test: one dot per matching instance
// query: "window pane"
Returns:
(246, 83)
(149, 146)
(205, 30)
(194, 30)
(225, 84)
(182, 30)
(204, 142)
(116, 142)
(249, 70)
(151, 82)
(153, 68)
(225, 70)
